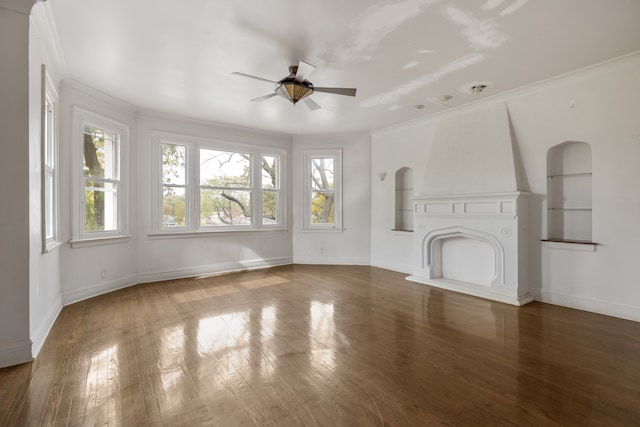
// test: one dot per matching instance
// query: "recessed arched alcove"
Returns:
(569, 192)
(404, 204)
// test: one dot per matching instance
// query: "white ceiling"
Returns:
(177, 57)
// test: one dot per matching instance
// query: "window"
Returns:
(208, 185)
(49, 163)
(323, 189)
(102, 195)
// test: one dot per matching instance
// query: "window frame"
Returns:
(193, 185)
(82, 118)
(336, 155)
(49, 165)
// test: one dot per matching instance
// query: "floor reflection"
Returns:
(101, 385)
(171, 365)
(323, 342)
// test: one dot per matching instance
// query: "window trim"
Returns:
(192, 145)
(336, 155)
(49, 165)
(82, 117)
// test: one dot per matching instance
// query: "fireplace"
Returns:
(475, 244)
(470, 224)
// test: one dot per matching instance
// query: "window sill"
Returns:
(50, 246)
(99, 241)
(322, 230)
(208, 233)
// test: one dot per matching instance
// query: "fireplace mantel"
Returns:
(497, 220)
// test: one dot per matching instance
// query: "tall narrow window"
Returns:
(49, 164)
(102, 190)
(270, 190)
(323, 189)
(174, 185)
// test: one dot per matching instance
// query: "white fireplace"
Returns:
(470, 223)
(474, 244)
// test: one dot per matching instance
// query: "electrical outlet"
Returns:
(103, 273)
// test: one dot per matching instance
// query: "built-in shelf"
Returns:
(575, 242)
(568, 175)
(569, 193)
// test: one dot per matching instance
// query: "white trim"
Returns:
(211, 269)
(42, 331)
(15, 353)
(73, 296)
(209, 233)
(593, 305)
(49, 141)
(192, 186)
(81, 117)
(393, 266)
(98, 241)
(336, 155)
(472, 289)
(324, 260)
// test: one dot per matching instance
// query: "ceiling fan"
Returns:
(296, 87)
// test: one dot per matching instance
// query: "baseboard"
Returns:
(15, 353)
(74, 296)
(327, 260)
(622, 311)
(463, 288)
(393, 266)
(203, 270)
(42, 331)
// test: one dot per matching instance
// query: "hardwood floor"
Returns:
(324, 345)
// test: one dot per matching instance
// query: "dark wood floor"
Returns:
(319, 345)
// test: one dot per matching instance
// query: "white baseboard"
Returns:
(393, 266)
(326, 260)
(623, 311)
(203, 270)
(78, 295)
(470, 289)
(42, 331)
(15, 353)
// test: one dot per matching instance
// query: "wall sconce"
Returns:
(382, 175)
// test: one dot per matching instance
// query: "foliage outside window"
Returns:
(102, 199)
(212, 186)
(322, 173)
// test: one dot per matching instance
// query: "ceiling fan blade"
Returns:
(262, 98)
(304, 69)
(336, 90)
(311, 104)
(253, 77)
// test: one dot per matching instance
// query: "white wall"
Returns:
(15, 345)
(598, 106)
(404, 146)
(352, 246)
(81, 266)
(169, 257)
(45, 300)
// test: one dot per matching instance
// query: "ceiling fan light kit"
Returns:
(296, 87)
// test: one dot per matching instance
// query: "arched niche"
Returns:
(569, 192)
(404, 204)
